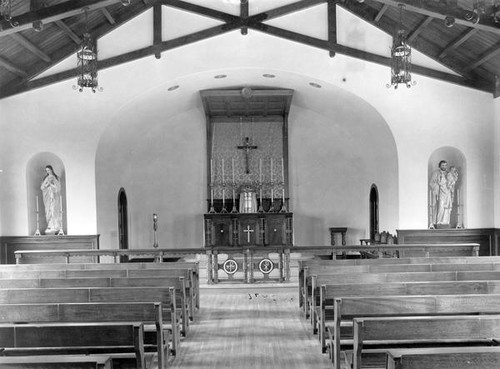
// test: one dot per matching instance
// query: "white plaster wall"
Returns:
(160, 160)
(60, 120)
(496, 153)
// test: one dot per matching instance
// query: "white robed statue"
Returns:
(248, 200)
(51, 190)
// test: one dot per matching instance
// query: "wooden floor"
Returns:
(250, 328)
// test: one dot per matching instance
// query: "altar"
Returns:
(248, 224)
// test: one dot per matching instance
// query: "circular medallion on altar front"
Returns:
(230, 266)
(266, 266)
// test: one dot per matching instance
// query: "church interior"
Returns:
(262, 166)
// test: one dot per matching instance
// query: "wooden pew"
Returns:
(176, 282)
(148, 313)
(56, 362)
(331, 292)
(166, 296)
(444, 358)
(347, 308)
(407, 332)
(312, 263)
(186, 290)
(342, 278)
(10, 271)
(74, 338)
(309, 270)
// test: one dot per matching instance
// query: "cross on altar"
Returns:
(248, 231)
(247, 147)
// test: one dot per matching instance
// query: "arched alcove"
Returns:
(35, 173)
(452, 201)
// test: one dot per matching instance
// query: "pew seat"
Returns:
(418, 331)
(347, 308)
(56, 362)
(74, 338)
(444, 358)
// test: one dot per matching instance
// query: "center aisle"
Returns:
(248, 328)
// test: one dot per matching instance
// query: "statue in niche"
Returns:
(248, 200)
(51, 190)
(442, 195)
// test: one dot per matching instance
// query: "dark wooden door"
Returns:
(122, 223)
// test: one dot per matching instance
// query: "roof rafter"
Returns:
(28, 45)
(414, 34)
(72, 35)
(231, 23)
(457, 42)
(51, 14)
(433, 9)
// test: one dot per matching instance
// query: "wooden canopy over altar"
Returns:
(247, 167)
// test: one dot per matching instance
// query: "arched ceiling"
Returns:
(463, 37)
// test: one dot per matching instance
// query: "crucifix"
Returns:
(247, 147)
(248, 231)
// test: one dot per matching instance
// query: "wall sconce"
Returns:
(155, 228)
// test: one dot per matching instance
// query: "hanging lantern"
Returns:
(400, 58)
(87, 64)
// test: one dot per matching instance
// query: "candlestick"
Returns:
(37, 204)
(223, 171)
(212, 196)
(271, 170)
(260, 171)
(283, 196)
(272, 195)
(60, 201)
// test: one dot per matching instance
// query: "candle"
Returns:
(211, 172)
(37, 204)
(271, 170)
(60, 200)
(260, 171)
(212, 196)
(222, 171)
(282, 170)
(283, 196)
(272, 195)
(232, 167)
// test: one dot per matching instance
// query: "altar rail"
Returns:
(269, 262)
(23, 256)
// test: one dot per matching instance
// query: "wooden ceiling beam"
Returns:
(157, 28)
(12, 68)
(414, 34)
(381, 13)
(244, 13)
(201, 10)
(108, 15)
(69, 32)
(332, 24)
(26, 83)
(457, 42)
(51, 14)
(483, 58)
(28, 45)
(286, 9)
(435, 10)
(367, 13)
(363, 55)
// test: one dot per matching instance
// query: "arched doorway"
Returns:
(122, 223)
(373, 211)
